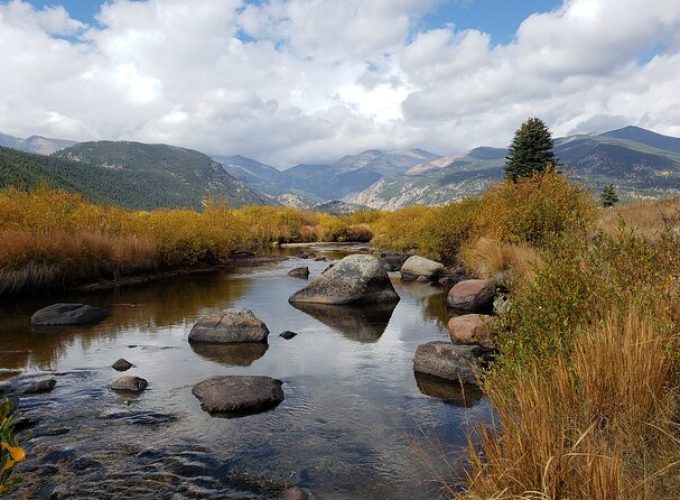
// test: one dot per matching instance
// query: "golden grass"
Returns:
(593, 425)
(52, 239)
(646, 218)
(487, 258)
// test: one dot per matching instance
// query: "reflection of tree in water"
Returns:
(147, 307)
(360, 323)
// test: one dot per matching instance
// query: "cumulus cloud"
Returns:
(289, 81)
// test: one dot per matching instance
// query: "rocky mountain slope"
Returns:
(35, 144)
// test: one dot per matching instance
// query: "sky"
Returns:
(290, 81)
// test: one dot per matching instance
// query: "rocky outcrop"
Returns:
(229, 327)
(299, 272)
(472, 296)
(129, 384)
(235, 395)
(471, 329)
(463, 363)
(417, 266)
(356, 279)
(68, 314)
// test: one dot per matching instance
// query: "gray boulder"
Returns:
(229, 327)
(299, 272)
(356, 279)
(68, 314)
(463, 363)
(37, 387)
(472, 295)
(129, 384)
(417, 266)
(235, 395)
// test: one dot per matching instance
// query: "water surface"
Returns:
(356, 422)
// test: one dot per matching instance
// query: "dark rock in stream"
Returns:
(129, 384)
(288, 334)
(356, 279)
(463, 363)
(121, 365)
(68, 314)
(232, 326)
(234, 395)
(38, 387)
(299, 272)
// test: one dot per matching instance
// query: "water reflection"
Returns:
(364, 323)
(148, 308)
(448, 391)
(230, 354)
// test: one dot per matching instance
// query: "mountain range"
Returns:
(638, 162)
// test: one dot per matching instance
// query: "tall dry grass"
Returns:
(54, 240)
(646, 218)
(487, 258)
(596, 424)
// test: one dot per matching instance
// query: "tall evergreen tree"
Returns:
(608, 196)
(531, 150)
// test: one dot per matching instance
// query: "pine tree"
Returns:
(531, 150)
(608, 196)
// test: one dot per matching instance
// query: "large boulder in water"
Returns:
(417, 266)
(472, 296)
(236, 395)
(68, 314)
(356, 279)
(463, 363)
(230, 327)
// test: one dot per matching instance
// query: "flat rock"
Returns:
(471, 329)
(229, 327)
(235, 395)
(299, 272)
(417, 266)
(472, 295)
(463, 363)
(356, 279)
(68, 314)
(129, 384)
(121, 365)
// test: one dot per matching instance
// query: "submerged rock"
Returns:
(233, 326)
(121, 365)
(418, 266)
(299, 272)
(68, 314)
(129, 384)
(356, 279)
(38, 387)
(463, 363)
(472, 295)
(235, 395)
(471, 329)
(288, 334)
